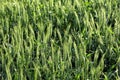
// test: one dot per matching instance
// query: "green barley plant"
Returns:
(59, 40)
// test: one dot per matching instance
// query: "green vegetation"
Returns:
(59, 40)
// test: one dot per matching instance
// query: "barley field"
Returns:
(59, 39)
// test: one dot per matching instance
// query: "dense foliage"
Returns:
(60, 40)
